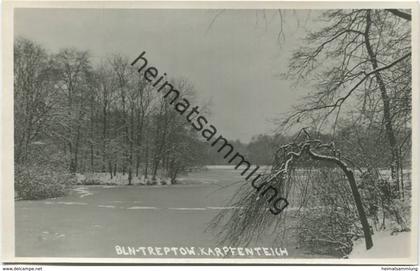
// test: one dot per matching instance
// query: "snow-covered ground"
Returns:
(120, 179)
(385, 245)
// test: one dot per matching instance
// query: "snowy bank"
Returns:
(100, 178)
(385, 245)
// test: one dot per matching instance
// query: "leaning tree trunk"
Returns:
(356, 195)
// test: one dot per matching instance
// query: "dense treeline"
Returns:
(76, 117)
(97, 119)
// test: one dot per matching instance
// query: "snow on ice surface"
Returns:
(385, 245)
(82, 191)
(232, 167)
(220, 167)
(142, 208)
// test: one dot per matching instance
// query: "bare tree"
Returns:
(73, 67)
(353, 59)
(34, 103)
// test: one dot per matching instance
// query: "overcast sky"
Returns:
(234, 62)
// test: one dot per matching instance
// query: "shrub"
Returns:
(91, 182)
(400, 211)
(34, 182)
(382, 202)
(331, 228)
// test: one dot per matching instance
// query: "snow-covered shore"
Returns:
(385, 245)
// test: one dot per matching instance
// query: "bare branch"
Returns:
(400, 14)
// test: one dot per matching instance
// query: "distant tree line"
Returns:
(365, 147)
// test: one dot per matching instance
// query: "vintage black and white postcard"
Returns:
(210, 132)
